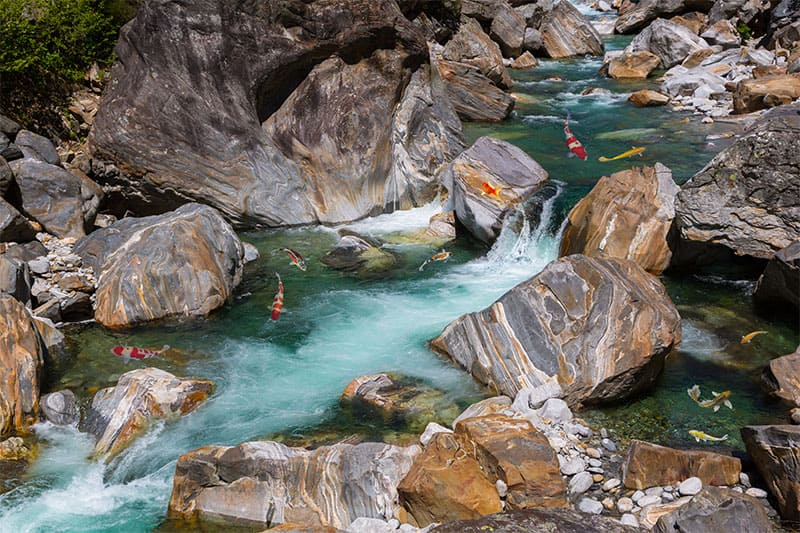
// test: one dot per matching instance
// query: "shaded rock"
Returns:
(646, 11)
(60, 408)
(512, 450)
(354, 253)
(566, 32)
(183, 263)
(15, 279)
(13, 226)
(716, 509)
(21, 358)
(745, 200)
(326, 78)
(525, 61)
(257, 483)
(485, 407)
(650, 465)
(695, 21)
(627, 215)
(473, 95)
(671, 42)
(483, 10)
(637, 64)
(27, 251)
(533, 41)
(37, 147)
(57, 355)
(534, 397)
(446, 483)
(473, 47)
(501, 165)
(9, 127)
(536, 521)
(77, 306)
(697, 57)
(119, 414)
(744, 11)
(782, 378)
(779, 285)
(6, 175)
(761, 93)
(430, 430)
(563, 325)
(776, 453)
(722, 33)
(648, 98)
(652, 512)
(64, 203)
(508, 30)
(11, 153)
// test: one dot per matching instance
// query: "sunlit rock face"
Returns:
(599, 328)
(276, 113)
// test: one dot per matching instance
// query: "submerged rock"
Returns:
(628, 216)
(651, 465)
(258, 484)
(716, 509)
(119, 414)
(354, 253)
(501, 166)
(22, 354)
(571, 324)
(536, 521)
(60, 408)
(183, 263)
(776, 452)
(745, 200)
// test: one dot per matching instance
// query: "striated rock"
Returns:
(671, 42)
(627, 216)
(536, 521)
(776, 453)
(354, 253)
(37, 147)
(533, 41)
(13, 226)
(473, 95)
(508, 30)
(183, 263)
(716, 509)
(761, 93)
(15, 279)
(57, 355)
(430, 430)
(76, 307)
(646, 11)
(694, 21)
(473, 47)
(697, 57)
(525, 61)
(779, 285)
(21, 357)
(257, 484)
(637, 64)
(652, 512)
(690, 82)
(648, 98)
(485, 407)
(63, 202)
(299, 133)
(745, 200)
(651, 465)
(501, 165)
(6, 175)
(566, 32)
(118, 414)
(744, 11)
(513, 451)
(563, 325)
(722, 33)
(60, 408)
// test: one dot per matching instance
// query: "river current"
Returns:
(282, 380)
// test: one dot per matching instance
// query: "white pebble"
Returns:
(611, 484)
(638, 495)
(629, 520)
(690, 487)
(756, 492)
(590, 505)
(744, 479)
(624, 505)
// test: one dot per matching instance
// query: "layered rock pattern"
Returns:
(650, 465)
(184, 263)
(646, 11)
(782, 377)
(627, 215)
(119, 414)
(716, 509)
(779, 285)
(263, 483)
(13, 226)
(776, 452)
(766, 92)
(669, 41)
(22, 355)
(566, 33)
(747, 199)
(599, 328)
(339, 68)
(536, 520)
(500, 165)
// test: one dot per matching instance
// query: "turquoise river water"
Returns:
(283, 379)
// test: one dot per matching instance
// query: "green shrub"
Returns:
(744, 31)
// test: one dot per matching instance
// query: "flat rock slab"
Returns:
(650, 465)
(776, 452)
(600, 328)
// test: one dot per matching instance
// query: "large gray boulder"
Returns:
(13, 226)
(776, 453)
(472, 46)
(266, 483)
(182, 263)
(65, 203)
(670, 41)
(15, 279)
(508, 30)
(716, 509)
(599, 328)
(299, 132)
(646, 11)
(37, 147)
(779, 285)
(746, 201)
(566, 32)
(501, 165)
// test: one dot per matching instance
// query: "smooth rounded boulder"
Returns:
(626, 215)
(600, 328)
(179, 264)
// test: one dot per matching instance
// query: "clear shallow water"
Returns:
(283, 379)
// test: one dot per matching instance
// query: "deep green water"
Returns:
(283, 379)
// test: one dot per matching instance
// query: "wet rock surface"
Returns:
(360, 255)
